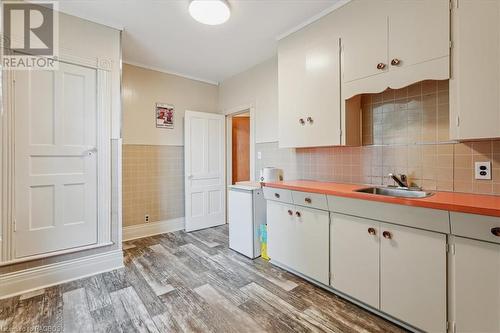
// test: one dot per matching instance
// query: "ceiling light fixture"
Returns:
(211, 12)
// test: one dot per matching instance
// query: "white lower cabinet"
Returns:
(475, 286)
(354, 255)
(298, 237)
(413, 276)
(398, 270)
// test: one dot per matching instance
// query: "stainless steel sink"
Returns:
(396, 192)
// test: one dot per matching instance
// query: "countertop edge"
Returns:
(422, 203)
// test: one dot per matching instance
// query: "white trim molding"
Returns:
(166, 71)
(316, 17)
(30, 279)
(153, 228)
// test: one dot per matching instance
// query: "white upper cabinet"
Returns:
(475, 79)
(365, 42)
(309, 88)
(419, 31)
(393, 44)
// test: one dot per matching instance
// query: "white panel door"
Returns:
(354, 257)
(205, 196)
(413, 276)
(55, 159)
(475, 287)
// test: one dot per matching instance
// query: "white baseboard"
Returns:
(30, 279)
(153, 228)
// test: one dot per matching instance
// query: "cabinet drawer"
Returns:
(278, 194)
(481, 227)
(314, 200)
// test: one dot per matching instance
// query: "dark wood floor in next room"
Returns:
(181, 282)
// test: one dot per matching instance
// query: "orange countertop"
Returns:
(450, 201)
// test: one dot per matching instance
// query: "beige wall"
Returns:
(258, 88)
(142, 88)
(153, 158)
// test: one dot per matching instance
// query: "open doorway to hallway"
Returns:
(240, 150)
(240, 138)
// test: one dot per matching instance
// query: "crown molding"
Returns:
(316, 17)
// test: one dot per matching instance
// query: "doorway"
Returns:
(240, 150)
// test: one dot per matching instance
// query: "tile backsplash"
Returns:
(404, 131)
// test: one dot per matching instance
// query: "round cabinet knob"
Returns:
(298, 214)
(290, 212)
(495, 231)
(301, 121)
(308, 200)
(387, 235)
(309, 120)
(372, 231)
(380, 65)
(277, 195)
(395, 62)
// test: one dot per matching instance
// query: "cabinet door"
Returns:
(311, 236)
(475, 291)
(281, 241)
(475, 80)
(309, 89)
(364, 39)
(354, 257)
(413, 276)
(419, 31)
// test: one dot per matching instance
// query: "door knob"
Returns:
(387, 235)
(277, 195)
(298, 214)
(308, 200)
(290, 212)
(301, 121)
(395, 62)
(380, 65)
(309, 120)
(89, 152)
(495, 231)
(372, 231)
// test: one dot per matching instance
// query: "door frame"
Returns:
(104, 68)
(229, 152)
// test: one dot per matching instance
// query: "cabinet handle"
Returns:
(380, 65)
(495, 231)
(301, 121)
(290, 212)
(372, 231)
(309, 120)
(387, 235)
(277, 195)
(308, 200)
(298, 214)
(395, 62)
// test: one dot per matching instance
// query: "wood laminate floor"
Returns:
(181, 282)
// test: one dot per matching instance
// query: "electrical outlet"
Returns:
(483, 170)
(146, 218)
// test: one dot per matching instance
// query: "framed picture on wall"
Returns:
(164, 115)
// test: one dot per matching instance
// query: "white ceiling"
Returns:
(160, 34)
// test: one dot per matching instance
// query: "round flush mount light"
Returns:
(211, 12)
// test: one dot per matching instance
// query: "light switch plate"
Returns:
(483, 170)
(259, 155)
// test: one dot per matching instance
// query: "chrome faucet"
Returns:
(402, 181)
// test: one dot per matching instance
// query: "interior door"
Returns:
(55, 159)
(205, 195)
(358, 240)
